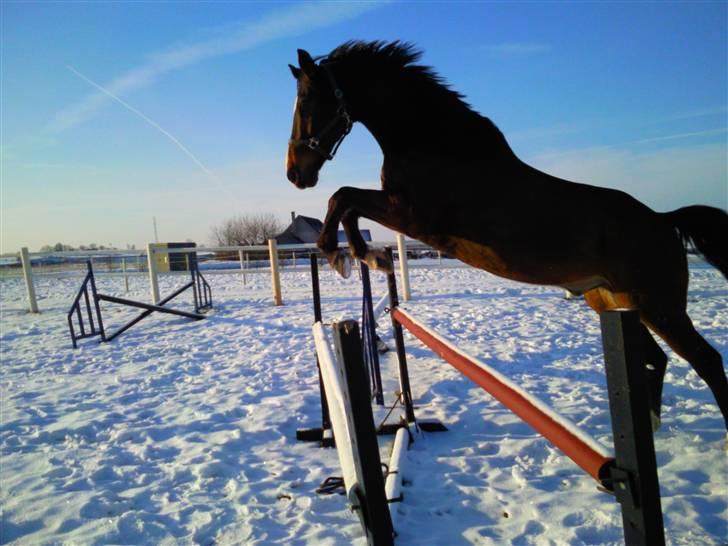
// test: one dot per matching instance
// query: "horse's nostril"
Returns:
(292, 174)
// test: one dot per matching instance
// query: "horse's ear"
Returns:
(307, 64)
(295, 71)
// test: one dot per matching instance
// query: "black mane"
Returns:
(396, 56)
(397, 53)
(459, 127)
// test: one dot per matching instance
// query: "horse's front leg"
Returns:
(375, 258)
(328, 240)
(346, 206)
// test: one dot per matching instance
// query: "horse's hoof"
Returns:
(341, 263)
(656, 421)
(378, 259)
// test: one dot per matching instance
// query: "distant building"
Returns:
(341, 236)
(304, 229)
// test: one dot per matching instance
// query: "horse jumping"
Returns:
(450, 179)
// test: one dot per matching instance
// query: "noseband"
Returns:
(314, 142)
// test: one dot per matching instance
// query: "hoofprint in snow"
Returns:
(183, 432)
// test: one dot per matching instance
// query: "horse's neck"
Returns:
(408, 122)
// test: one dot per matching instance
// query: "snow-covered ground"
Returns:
(183, 432)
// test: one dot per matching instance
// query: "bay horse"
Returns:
(450, 179)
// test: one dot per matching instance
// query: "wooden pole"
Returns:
(126, 277)
(153, 278)
(242, 265)
(274, 271)
(28, 276)
(403, 269)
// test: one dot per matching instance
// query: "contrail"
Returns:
(150, 122)
(707, 132)
(286, 22)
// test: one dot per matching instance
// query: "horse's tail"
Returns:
(705, 229)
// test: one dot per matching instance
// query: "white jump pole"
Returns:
(153, 277)
(274, 271)
(393, 482)
(28, 276)
(403, 268)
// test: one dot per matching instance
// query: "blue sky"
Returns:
(630, 95)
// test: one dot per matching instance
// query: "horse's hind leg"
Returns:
(655, 359)
(680, 334)
(656, 363)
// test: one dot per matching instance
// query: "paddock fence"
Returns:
(244, 261)
(270, 260)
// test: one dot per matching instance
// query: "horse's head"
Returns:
(320, 121)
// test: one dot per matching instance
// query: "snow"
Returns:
(183, 432)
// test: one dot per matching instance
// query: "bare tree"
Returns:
(245, 230)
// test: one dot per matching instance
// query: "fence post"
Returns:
(404, 382)
(274, 272)
(369, 334)
(126, 277)
(403, 269)
(634, 474)
(153, 278)
(323, 435)
(28, 276)
(242, 265)
(316, 287)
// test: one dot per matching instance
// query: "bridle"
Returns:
(314, 142)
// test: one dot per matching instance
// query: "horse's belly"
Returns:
(523, 269)
(475, 254)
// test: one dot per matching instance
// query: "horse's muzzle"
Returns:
(299, 179)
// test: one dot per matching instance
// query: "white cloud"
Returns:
(291, 21)
(511, 49)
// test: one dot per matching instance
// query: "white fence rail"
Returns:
(130, 263)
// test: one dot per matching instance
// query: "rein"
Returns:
(314, 142)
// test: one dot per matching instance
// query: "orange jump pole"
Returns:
(583, 450)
